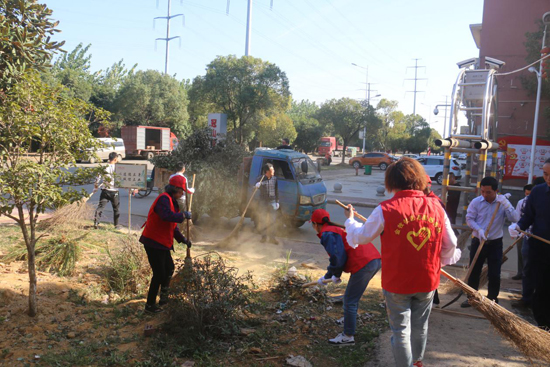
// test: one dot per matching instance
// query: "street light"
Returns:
(546, 22)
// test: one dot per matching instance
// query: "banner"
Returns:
(518, 156)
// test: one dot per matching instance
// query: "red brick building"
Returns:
(502, 36)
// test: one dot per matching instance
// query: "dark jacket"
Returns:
(162, 208)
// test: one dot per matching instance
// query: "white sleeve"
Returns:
(358, 233)
(450, 254)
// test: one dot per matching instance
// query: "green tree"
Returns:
(348, 117)
(386, 137)
(308, 128)
(25, 44)
(36, 114)
(153, 99)
(419, 133)
(243, 88)
(274, 128)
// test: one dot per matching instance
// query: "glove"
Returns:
(188, 243)
(504, 203)
(258, 185)
(276, 206)
(507, 195)
(513, 230)
(320, 281)
(481, 235)
(336, 280)
(191, 190)
(187, 215)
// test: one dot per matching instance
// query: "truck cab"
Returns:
(301, 188)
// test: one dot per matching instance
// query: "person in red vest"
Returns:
(363, 263)
(417, 240)
(158, 239)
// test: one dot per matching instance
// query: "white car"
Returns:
(413, 156)
(433, 165)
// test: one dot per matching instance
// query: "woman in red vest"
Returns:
(417, 239)
(158, 239)
(363, 263)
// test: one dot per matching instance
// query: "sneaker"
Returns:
(418, 364)
(465, 304)
(153, 309)
(341, 339)
(517, 277)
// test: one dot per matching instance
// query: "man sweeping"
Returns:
(479, 214)
(109, 193)
(537, 214)
(268, 204)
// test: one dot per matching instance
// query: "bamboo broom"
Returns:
(188, 263)
(530, 340)
(483, 278)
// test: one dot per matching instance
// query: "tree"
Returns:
(34, 113)
(390, 118)
(153, 99)
(25, 30)
(274, 128)
(308, 128)
(243, 88)
(348, 117)
(419, 131)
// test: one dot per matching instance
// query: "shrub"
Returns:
(211, 302)
(129, 270)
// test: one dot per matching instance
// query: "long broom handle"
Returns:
(251, 198)
(311, 284)
(189, 209)
(354, 212)
(473, 263)
(534, 236)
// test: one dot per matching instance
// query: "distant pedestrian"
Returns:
(109, 192)
(480, 212)
(158, 239)
(417, 240)
(362, 262)
(268, 203)
(537, 215)
(285, 144)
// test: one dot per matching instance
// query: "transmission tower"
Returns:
(416, 67)
(168, 17)
(248, 24)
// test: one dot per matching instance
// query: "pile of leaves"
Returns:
(216, 168)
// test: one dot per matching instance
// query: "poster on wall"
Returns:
(518, 156)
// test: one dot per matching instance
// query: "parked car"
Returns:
(413, 156)
(109, 145)
(379, 159)
(433, 165)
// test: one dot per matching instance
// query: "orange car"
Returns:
(379, 159)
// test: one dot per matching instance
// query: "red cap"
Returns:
(428, 180)
(177, 181)
(318, 215)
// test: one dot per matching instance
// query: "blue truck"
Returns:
(301, 187)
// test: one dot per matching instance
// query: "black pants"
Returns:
(163, 268)
(539, 260)
(105, 197)
(492, 252)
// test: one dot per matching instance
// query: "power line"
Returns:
(416, 67)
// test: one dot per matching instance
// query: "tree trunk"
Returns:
(32, 281)
(344, 152)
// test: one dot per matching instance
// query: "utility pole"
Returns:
(168, 17)
(416, 67)
(248, 28)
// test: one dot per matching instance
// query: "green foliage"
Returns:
(25, 31)
(211, 302)
(243, 88)
(129, 271)
(274, 128)
(215, 166)
(419, 133)
(308, 128)
(151, 98)
(392, 133)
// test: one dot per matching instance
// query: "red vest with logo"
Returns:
(411, 242)
(358, 257)
(158, 229)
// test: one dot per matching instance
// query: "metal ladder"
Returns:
(474, 102)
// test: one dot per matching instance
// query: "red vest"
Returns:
(411, 242)
(158, 229)
(358, 257)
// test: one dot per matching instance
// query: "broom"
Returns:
(311, 284)
(530, 340)
(534, 236)
(235, 230)
(72, 215)
(483, 278)
(188, 263)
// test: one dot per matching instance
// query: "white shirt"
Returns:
(479, 215)
(108, 184)
(358, 233)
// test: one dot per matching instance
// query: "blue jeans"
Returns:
(357, 284)
(408, 315)
(527, 281)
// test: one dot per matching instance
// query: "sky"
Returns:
(314, 42)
